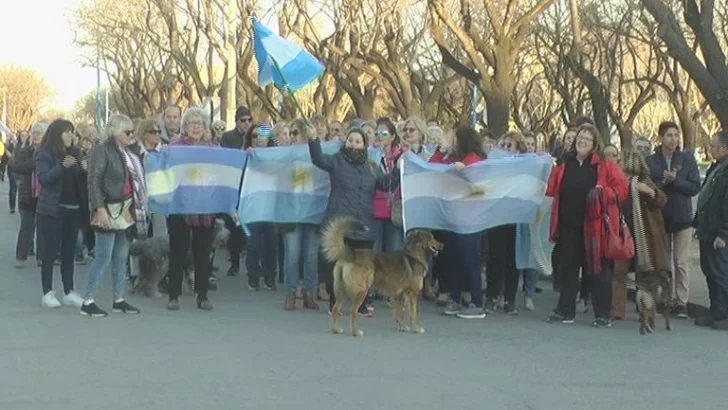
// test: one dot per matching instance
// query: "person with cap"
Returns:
(235, 138)
(354, 181)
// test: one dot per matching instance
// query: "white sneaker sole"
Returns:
(90, 315)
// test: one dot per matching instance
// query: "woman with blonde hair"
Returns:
(281, 133)
(414, 137)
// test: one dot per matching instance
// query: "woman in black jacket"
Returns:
(354, 181)
(59, 203)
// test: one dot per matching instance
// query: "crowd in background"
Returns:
(83, 198)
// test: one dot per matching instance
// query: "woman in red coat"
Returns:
(462, 251)
(581, 186)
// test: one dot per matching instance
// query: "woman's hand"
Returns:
(69, 161)
(718, 243)
(102, 219)
(458, 165)
(645, 189)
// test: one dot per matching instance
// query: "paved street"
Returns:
(250, 354)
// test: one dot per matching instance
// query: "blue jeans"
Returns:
(301, 245)
(261, 256)
(530, 280)
(112, 250)
(390, 238)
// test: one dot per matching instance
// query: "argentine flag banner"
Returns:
(282, 185)
(194, 180)
(489, 193)
(533, 246)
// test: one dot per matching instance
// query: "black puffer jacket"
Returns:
(352, 185)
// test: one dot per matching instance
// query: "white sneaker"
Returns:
(50, 301)
(528, 305)
(73, 299)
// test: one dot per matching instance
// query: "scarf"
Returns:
(594, 230)
(139, 191)
(642, 251)
(354, 155)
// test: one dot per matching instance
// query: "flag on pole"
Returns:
(282, 62)
(490, 193)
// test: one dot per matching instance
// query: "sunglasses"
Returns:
(128, 132)
(382, 134)
(506, 145)
(219, 128)
(410, 129)
(295, 133)
(245, 119)
(155, 132)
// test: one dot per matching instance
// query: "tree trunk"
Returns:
(498, 104)
(687, 127)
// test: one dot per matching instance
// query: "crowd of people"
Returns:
(84, 198)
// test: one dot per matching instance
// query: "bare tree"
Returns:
(488, 56)
(709, 71)
(25, 91)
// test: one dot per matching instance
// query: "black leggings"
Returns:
(501, 268)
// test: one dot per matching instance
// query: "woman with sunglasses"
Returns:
(115, 179)
(415, 135)
(218, 128)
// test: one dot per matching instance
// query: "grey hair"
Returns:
(642, 138)
(196, 112)
(218, 122)
(117, 125)
(39, 128)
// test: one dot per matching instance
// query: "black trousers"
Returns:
(501, 272)
(181, 237)
(236, 240)
(59, 234)
(572, 259)
(714, 264)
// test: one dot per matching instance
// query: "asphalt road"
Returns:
(250, 354)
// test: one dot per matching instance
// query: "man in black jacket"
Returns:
(676, 173)
(235, 138)
(711, 221)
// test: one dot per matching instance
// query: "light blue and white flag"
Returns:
(194, 180)
(282, 185)
(533, 246)
(483, 195)
(5, 129)
(282, 62)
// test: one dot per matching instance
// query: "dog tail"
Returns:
(333, 245)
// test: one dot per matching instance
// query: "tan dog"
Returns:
(397, 274)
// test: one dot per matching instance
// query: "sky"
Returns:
(37, 34)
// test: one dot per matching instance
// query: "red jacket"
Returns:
(440, 158)
(609, 175)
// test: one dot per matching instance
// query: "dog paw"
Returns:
(419, 330)
(403, 328)
(337, 331)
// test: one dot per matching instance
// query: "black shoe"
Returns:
(555, 317)
(720, 324)
(253, 284)
(12, 211)
(602, 322)
(234, 270)
(705, 321)
(680, 311)
(269, 285)
(510, 308)
(92, 310)
(491, 306)
(123, 307)
(364, 311)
